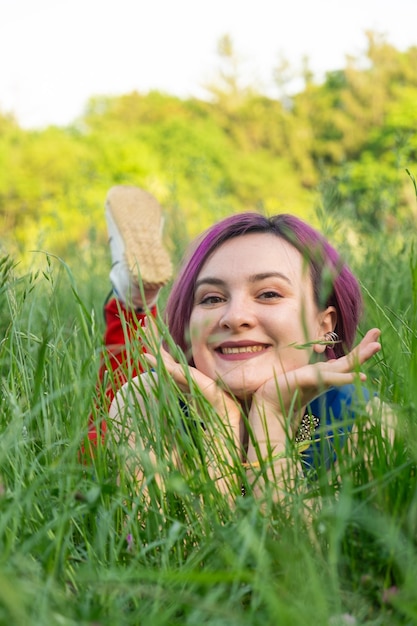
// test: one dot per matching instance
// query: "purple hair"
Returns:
(333, 282)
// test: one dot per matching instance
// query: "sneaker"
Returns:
(134, 222)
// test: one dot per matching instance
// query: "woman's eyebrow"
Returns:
(209, 280)
(212, 280)
(257, 277)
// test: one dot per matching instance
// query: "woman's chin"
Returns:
(240, 389)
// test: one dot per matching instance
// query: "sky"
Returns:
(56, 54)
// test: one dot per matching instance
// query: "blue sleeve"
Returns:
(336, 410)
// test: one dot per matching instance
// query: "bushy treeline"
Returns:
(238, 150)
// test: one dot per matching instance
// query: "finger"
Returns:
(367, 347)
(151, 333)
(151, 360)
(174, 369)
(371, 337)
(338, 379)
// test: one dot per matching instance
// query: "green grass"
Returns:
(83, 544)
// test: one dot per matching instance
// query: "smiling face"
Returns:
(253, 306)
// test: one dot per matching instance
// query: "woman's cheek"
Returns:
(201, 331)
(292, 359)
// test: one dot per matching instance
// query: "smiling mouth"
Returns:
(242, 349)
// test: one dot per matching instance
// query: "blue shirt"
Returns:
(336, 410)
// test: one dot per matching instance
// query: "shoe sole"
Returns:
(138, 216)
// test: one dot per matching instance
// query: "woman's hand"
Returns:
(278, 393)
(220, 400)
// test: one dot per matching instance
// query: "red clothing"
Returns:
(116, 365)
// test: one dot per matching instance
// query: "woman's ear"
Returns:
(327, 320)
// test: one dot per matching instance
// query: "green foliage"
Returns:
(239, 151)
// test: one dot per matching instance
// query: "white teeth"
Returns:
(242, 349)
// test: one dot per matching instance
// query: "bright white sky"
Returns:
(56, 54)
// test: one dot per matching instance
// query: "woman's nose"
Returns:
(237, 314)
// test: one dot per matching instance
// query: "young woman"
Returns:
(266, 314)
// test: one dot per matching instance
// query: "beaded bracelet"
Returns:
(306, 429)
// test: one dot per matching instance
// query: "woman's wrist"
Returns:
(268, 433)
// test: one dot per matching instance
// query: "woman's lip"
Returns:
(241, 350)
(242, 343)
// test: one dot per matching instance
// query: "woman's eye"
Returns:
(210, 300)
(269, 295)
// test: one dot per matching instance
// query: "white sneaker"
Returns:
(134, 222)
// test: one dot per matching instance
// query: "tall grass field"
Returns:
(85, 543)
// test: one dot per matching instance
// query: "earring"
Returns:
(331, 339)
